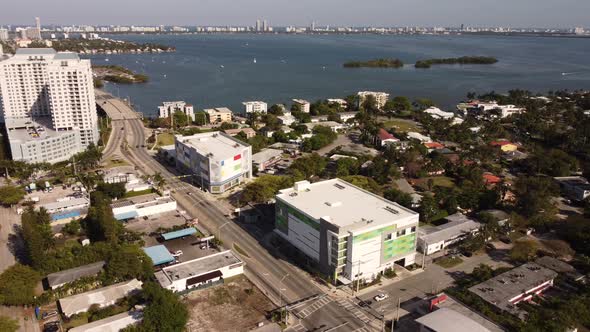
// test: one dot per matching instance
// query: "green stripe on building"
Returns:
(375, 233)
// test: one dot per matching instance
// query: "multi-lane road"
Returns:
(279, 280)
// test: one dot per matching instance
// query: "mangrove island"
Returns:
(116, 74)
(464, 60)
(377, 63)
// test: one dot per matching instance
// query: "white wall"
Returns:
(155, 209)
(304, 237)
(368, 253)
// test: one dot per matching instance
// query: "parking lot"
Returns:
(190, 247)
(152, 223)
(50, 197)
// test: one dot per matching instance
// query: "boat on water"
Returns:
(221, 66)
(254, 60)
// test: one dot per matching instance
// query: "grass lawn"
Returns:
(449, 261)
(139, 193)
(441, 181)
(165, 139)
(115, 163)
(400, 125)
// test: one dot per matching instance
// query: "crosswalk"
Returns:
(348, 305)
(313, 307)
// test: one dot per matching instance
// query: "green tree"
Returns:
(363, 182)
(523, 251)
(89, 158)
(72, 228)
(347, 166)
(128, 261)
(10, 195)
(113, 190)
(8, 324)
(533, 194)
(17, 285)
(428, 208)
(265, 188)
(398, 196)
(164, 311)
(100, 224)
(180, 119)
(37, 235)
(311, 165)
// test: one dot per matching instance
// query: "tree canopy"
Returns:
(17, 285)
(10, 195)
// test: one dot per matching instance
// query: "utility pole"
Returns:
(424, 251)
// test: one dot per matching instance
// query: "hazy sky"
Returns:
(514, 13)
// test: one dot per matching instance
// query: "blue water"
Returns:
(310, 67)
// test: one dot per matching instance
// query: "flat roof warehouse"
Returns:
(343, 204)
(219, 145)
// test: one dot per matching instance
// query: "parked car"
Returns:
(380, 297)
(51, 327)
(177, 253)
(48, 314)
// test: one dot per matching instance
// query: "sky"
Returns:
(513, 13)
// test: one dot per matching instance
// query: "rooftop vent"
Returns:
(339, 186)
(302, 186)
(293, 194)
(334, 204)
(391, 210)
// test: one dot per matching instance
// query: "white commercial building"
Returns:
(433, 239)
(168, 108)
(42, 90)
(114, 323)
(66, 205)
(142, 206)
(349, 232)
(333, 125)
(102, 297)
(337, 101)
(200, 272)
(218, 161)
(437, 113)
(287, 119)
(419, 137)
(380, 97)
(304, 105)
(266, 158)
(255, 107)
(131, 181)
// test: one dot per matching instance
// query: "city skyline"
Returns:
(523, 14)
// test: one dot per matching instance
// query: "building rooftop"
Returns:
(501, 289)
(344, 204)
(66, 276)
(384, 134)
(218, 110)
(458, 224)
(66, 56)
(219, 146)
(559, 267)
(34, 51)
(196, 267)
(265, 155)
(111, 324)
(447, 320)
(179, 233)
(300, 101)
(574, 181)
(141, 201)
(451, 304)
(102, 296)
(159, 254)
(65, 204)
(29, 130)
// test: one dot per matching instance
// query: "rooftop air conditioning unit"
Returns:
(302, 185)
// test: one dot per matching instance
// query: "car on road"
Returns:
(177, 253)
(381, 297)
(365, 303)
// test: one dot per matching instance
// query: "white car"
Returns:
(380, 297)
(177, 253)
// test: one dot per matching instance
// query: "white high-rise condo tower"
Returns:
(48, 104)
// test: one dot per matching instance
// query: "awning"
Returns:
(126, 215)
(343, 280)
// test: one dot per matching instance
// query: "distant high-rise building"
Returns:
(265, 26)
(258, 26)
(36, 34)
(462, 27)
(3, 34)
(48, 104)
(313, 26)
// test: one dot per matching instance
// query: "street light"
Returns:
(219, 230)
(281, 289)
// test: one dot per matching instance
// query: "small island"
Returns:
(107, 46)
(116, 74)
(464, 60)
(377, 63)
